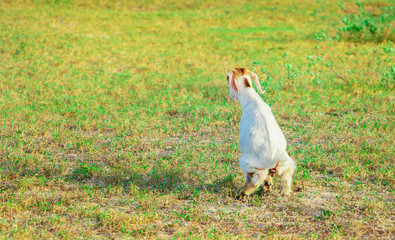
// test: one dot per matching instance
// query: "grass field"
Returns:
(116, 120)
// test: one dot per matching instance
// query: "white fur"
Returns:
(262, 142)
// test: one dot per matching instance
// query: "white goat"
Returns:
(262, 143)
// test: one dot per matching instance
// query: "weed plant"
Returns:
(369, 26)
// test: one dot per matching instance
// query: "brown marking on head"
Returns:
(247, 83)
(241, 71)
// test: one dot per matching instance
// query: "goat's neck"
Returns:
(248, 96)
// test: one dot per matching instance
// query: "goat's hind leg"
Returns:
(253, 181)
(286, 169)
(286, 182)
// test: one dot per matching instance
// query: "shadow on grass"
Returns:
(163, 180)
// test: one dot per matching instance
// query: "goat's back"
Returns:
(259, 131)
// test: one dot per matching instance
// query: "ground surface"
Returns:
(116, 122)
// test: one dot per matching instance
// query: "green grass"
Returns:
(116, 120)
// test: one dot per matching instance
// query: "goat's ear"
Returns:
(256, 80)
(232, 82)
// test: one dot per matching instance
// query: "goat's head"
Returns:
(241, 78)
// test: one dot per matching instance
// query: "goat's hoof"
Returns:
(241, 196)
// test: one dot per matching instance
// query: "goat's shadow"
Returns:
(164, 181)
